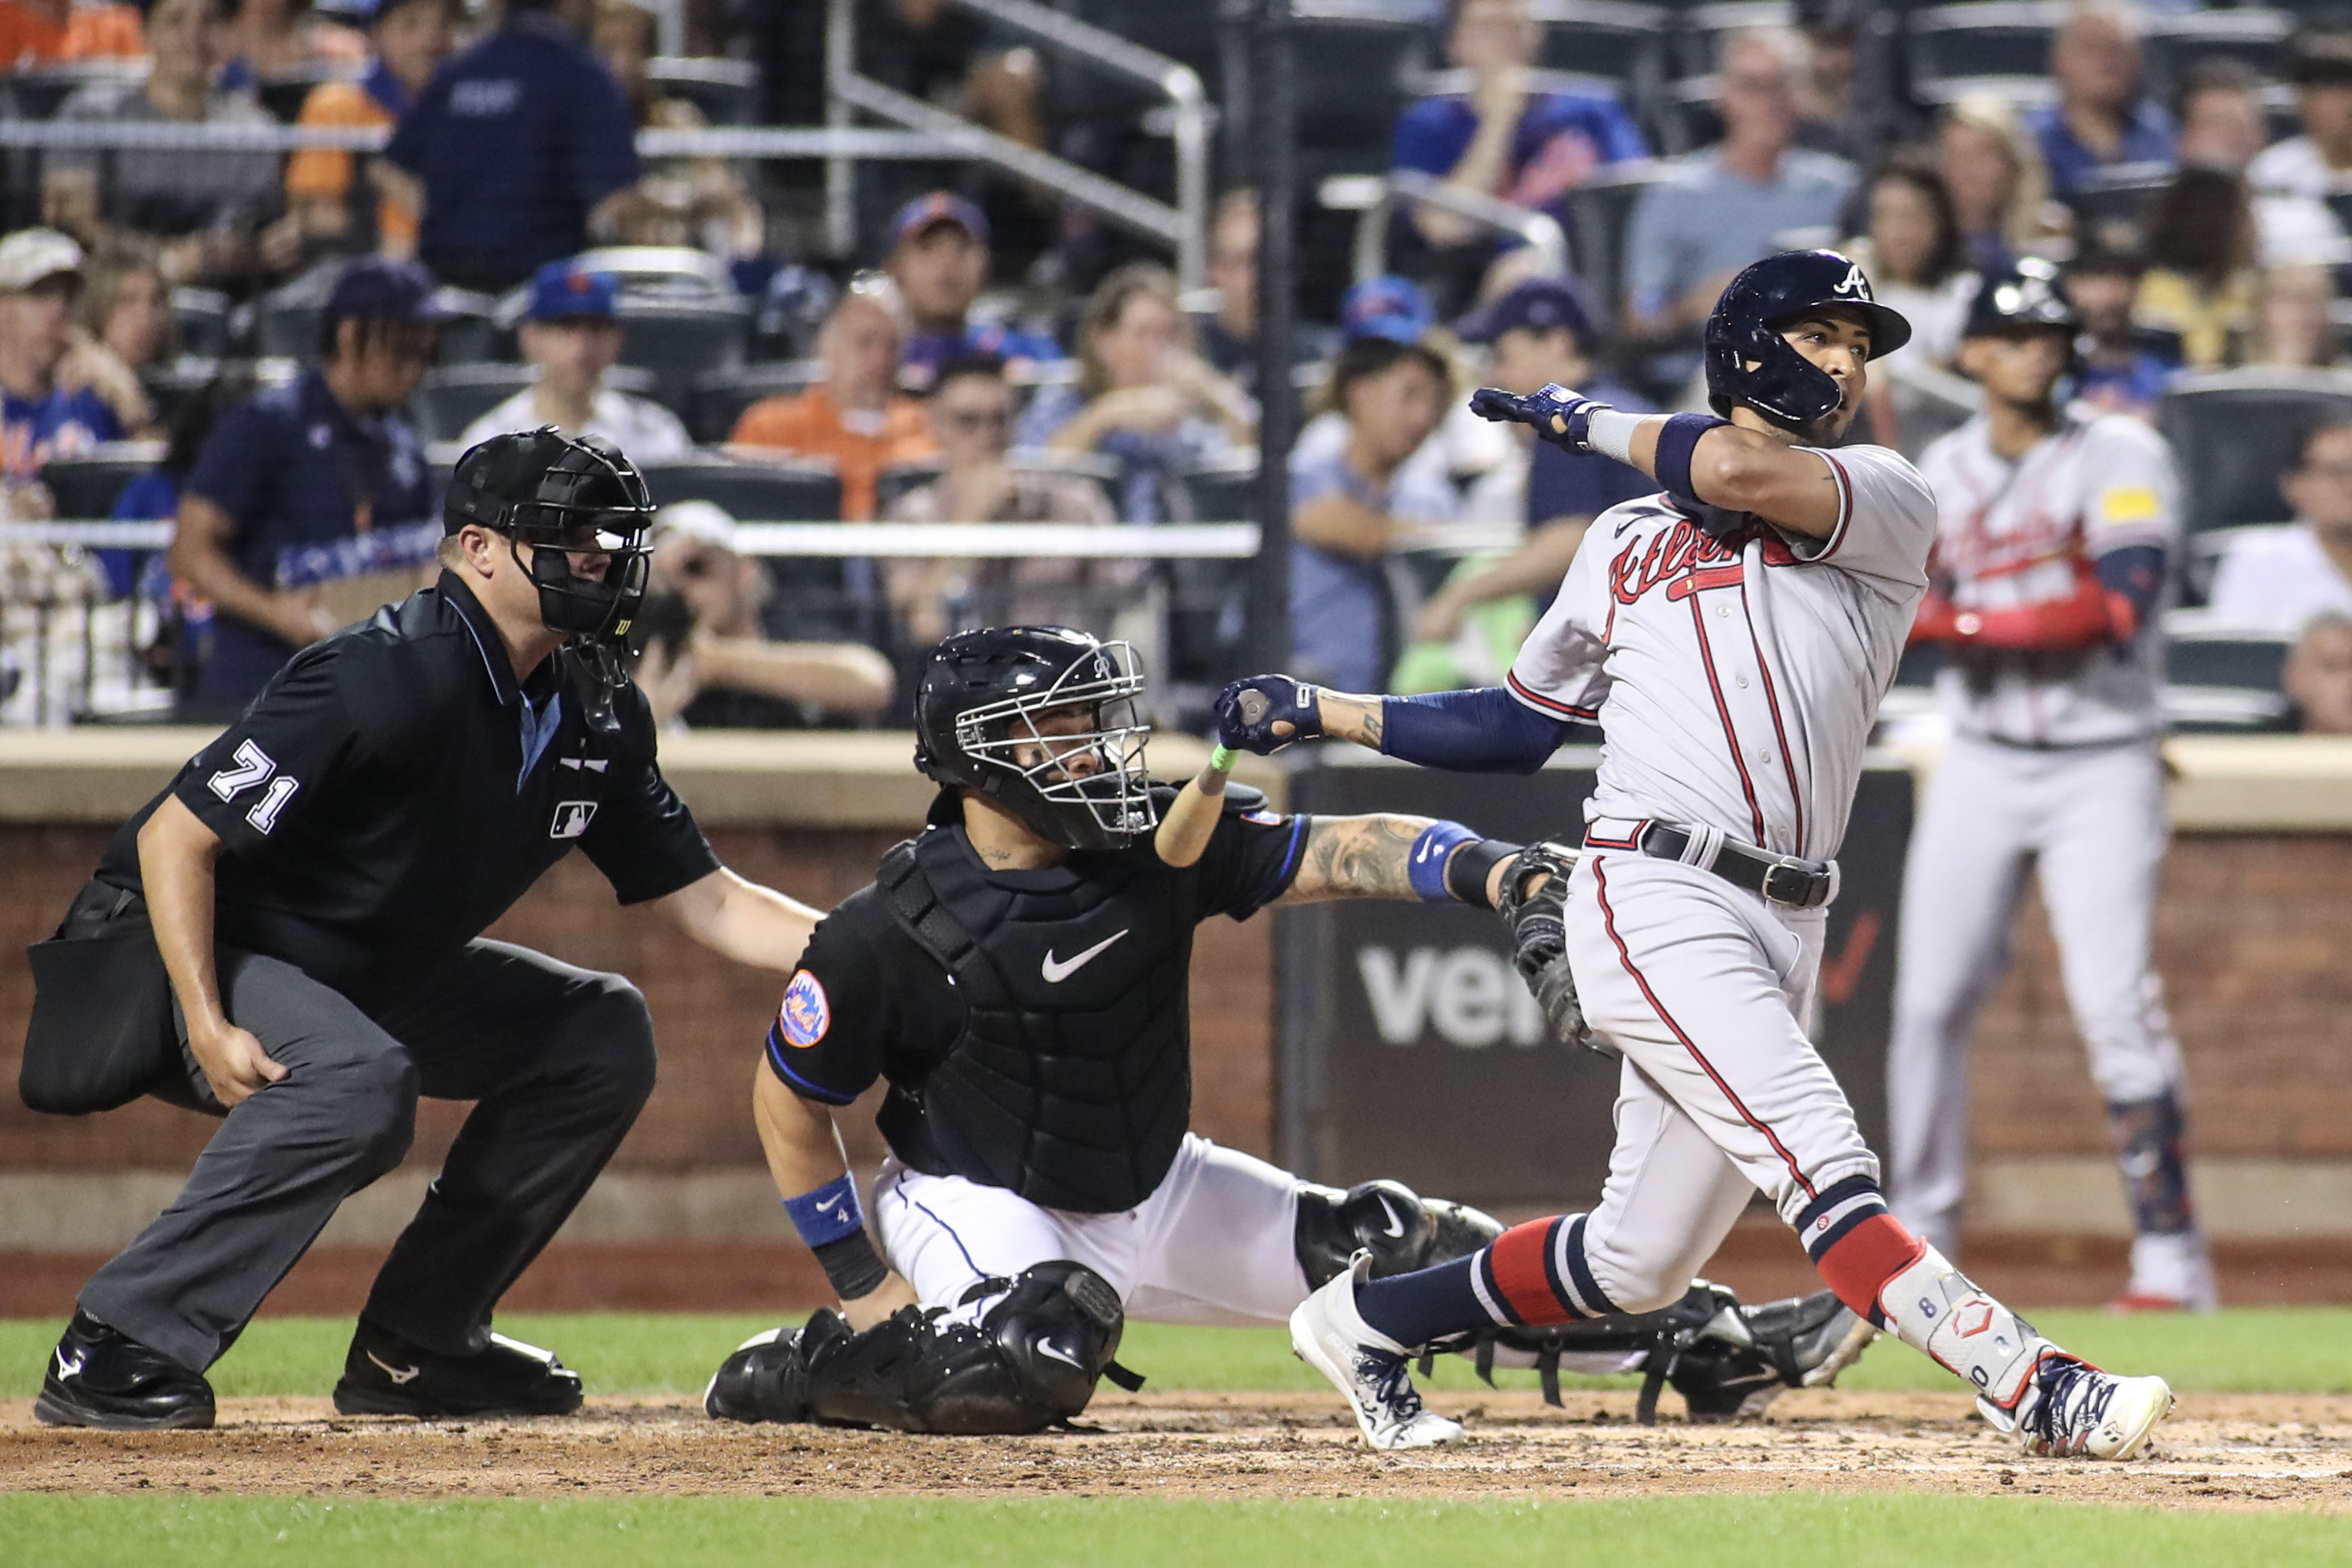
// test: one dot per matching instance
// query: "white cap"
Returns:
(705, 521)
(31, 255)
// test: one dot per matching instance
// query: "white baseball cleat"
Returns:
(2071, 1410)
(1329, 1335)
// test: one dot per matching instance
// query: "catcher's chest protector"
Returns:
(1070, 1082)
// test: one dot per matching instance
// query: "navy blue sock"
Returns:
(1430, 1304)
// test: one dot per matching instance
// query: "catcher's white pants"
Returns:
(2093, 822)
(1704, 986)
(1212, 1244)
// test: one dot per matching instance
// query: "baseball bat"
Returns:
(1184, 836)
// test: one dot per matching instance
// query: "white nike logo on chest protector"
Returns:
(1057, 970)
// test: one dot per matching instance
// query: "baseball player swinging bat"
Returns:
(1183, 835)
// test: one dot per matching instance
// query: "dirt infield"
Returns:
(2218, 1451)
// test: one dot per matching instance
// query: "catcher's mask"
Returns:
(564, 495)
(1041, 721)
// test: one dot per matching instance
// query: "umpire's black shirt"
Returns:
(393, 791)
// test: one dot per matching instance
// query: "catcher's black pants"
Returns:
(560, 1061)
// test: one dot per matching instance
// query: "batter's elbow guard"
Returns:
(1402, 1230)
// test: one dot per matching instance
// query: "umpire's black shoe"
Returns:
(385, 1376)
(101, 1378)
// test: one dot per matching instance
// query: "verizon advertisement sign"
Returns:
(1408, 1048)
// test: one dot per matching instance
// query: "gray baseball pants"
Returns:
(559, 1060)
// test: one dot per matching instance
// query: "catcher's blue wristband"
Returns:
(827, 1215)
(1425, 867)
(1676, 444)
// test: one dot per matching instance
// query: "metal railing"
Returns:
(71, 651)
(783, 142)
(1184, 225)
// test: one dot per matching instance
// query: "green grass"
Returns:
(2248, 1349)
(1794, 1531)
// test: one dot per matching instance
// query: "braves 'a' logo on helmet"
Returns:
(1853, 285)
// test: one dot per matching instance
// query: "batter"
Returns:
(1732, 637)
(2047, 576)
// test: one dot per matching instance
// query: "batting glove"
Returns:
(1248, 710)
(1560, 416)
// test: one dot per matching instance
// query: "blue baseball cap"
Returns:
(1392, 306)
(939, 207)
(1537, 304)
(386, 288)
(565, 290)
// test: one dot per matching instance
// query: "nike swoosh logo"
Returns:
(1396, 1226)
(1057, 970)
(828, 1205)
(66, 1369)
(399, 1374)
(1051, 1354)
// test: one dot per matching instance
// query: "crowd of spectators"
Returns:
(943, 379)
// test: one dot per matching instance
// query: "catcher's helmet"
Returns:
(2019, 297)
(977, 708)
(1748, 362)
(562, 495)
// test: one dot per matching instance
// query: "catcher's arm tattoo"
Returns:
(1356, 858)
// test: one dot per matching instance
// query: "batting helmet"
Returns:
(976, 713)
(1748, 362)
(2021, 297)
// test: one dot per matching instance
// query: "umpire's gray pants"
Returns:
(560, 1061)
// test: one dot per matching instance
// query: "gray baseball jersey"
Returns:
(1737, 681)
(2016, 535)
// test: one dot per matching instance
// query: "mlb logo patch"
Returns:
(571, 817)
(1263, 818)
(806, 1014)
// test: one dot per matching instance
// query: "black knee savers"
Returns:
(1402, 1230)
(1034, 1360)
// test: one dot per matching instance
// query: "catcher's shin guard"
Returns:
(1032, 1360)
(1402, 1230)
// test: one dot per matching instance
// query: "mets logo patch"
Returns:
(806, 1015)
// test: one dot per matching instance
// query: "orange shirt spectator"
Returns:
(411, 37)
(45, 32)
(861, 442)
(857, 416)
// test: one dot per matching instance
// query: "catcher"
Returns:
(1017, 975)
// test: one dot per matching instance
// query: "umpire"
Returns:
(316, 881)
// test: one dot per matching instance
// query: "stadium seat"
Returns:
(764, 491)
(2255, 35)
(1227, 493)
(1614, 38)
(2111, 209)
(1987, 38)
(86, 486)
(286, 319)
(1686, 117)
(726, 91)
(716, 401)
(451, 397)
(38, 94)
(2200, 650)
(1363, 55)
(200, 317)
(662, 271)
(1599, 212)
(1704, 27)
(2233, 432)
(680, 340)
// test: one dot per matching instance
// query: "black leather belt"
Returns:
(1783, 878)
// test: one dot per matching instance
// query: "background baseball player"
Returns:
(2047, 577)
(1732, 637)
(1017, 975)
